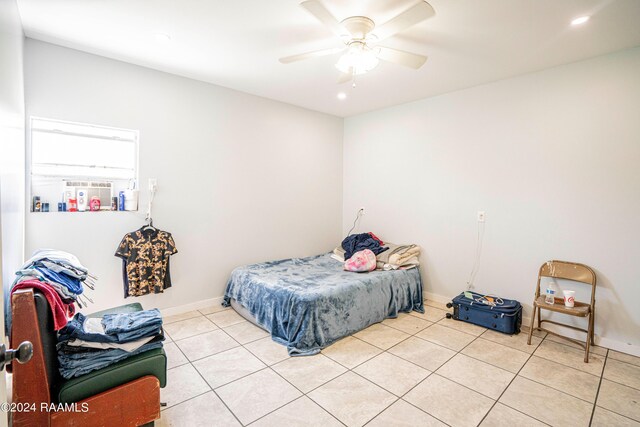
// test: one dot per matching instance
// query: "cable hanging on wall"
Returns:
(358, 216)
(476, 262)
(153, 187)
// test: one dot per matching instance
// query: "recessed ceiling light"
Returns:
(579, 21)
(342, 96)
(162, 37)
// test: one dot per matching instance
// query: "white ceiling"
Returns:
(237, 43)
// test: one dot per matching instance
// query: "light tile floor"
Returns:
(417, 370)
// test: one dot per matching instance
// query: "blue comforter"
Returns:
(308, 303)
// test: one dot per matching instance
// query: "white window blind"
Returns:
(76, 150)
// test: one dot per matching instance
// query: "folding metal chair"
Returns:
(574, 272)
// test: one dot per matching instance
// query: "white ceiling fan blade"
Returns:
(315, 53)
(321, 13)
(344, 77)
(406, 19)
(408, 59)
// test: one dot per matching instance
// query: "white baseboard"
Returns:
(437, 298)
(620, 346)
(171, 311)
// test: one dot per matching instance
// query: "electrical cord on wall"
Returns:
(476, 262)
(358, 216)
(152, 194)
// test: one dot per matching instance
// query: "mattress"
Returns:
(244, 312)
(309, 303)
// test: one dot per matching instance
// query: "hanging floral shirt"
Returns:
(146, 260)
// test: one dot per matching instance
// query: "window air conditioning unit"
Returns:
(102, 189)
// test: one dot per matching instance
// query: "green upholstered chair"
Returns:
(126, 393)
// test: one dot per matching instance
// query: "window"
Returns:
(75, 150)
(66, 155)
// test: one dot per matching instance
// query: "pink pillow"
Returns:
(361, 261)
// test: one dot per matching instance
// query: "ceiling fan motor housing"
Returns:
(358, 26)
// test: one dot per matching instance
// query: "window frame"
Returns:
(29, 175)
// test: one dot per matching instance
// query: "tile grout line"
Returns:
(234, 380)
(228, 409)
(218, 327)
(476, 337)
(181, 402)
(223, 330)
(377, 385)
(635, 421)
(217, 395)
(579, 350)
(187, 363)
(393, 354)
(278, 407)
(303, 394)
(530, 356)
(380, 348)
(387, 351)
(212, 354)
(258, 357)
(569, 366)
(616, 382)
(361, 363)
(430, 371)
(180, 320)
(482, 361)
(366, 379)
(622, 384)
(509, 385)
(382, 351)
(535, 381)
(288, 403)
(564, 365)
(623, 361)
(491, 364)
(595, 401)
(434, 373)
(205, 381)
(420, 409)
(214, 392)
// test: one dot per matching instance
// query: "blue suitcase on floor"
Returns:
(502, 315)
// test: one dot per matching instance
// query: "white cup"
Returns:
(569, 298)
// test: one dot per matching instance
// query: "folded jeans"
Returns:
(126, 322)
(144, 324)
(76, 364)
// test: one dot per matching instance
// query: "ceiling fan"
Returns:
(361, 36)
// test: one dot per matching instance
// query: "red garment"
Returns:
(374, 237)
(61, 311)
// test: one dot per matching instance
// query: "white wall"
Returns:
(11, 154)
(552, 157)
(11, 140)
(241, 179)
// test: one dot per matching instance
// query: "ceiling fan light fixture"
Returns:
(162, 37)
(358, 59)
(580, 20)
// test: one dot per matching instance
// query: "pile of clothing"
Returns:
(388, 256)
(62, 280)
(398, 257)
(359, 242)
(86, 344)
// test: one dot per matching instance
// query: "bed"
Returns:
(309, 303)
